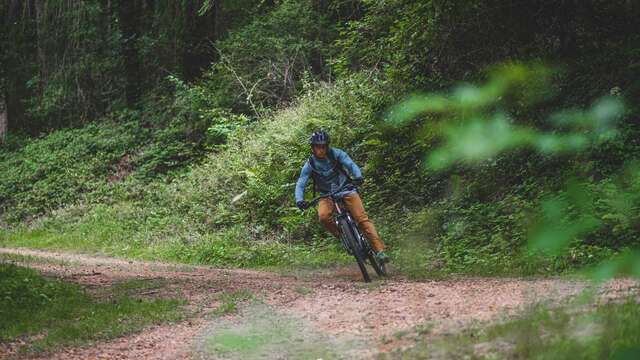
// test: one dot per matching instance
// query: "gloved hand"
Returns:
(358, 181)
(302, 204)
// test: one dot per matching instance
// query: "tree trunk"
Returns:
(190, 41)
(4, 118)
(40, 27)
(129, 18)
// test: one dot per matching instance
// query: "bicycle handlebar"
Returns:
(340, 189)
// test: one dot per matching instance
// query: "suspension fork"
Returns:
(337, 207)
(340, 215)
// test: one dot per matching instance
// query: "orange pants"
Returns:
(355, 207)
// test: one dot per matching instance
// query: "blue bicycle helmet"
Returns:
(319, 137)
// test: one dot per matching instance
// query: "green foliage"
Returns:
(63, 314)
(202, 215)
(66, 62)
(187, 124)
(603, 213)
(263, 63)
(61, 168)
(68, 165)
(430, 45)
(72, 62)
(477, 126)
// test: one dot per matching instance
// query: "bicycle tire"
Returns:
(376, 265)
(357, 251)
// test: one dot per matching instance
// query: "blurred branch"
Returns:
(247, 92)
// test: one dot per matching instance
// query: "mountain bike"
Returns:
(352, 239)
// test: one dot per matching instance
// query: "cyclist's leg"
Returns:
(354, 204)
(325, 215)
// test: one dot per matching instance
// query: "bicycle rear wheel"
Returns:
(357, 250)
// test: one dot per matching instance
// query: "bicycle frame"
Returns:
(340, 212)
(350, 235)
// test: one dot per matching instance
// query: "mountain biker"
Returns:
(327, 168)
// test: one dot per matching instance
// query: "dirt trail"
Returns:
(333, 309)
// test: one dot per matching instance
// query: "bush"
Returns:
(61, 168)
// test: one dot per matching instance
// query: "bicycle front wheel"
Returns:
(349, 234)
(378, 266)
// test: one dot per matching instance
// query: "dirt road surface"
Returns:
(319, 314)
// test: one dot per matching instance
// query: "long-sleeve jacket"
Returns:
(327, 176)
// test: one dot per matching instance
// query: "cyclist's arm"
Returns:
(348, 163)
(302, 181)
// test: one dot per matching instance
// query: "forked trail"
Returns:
(328, 312)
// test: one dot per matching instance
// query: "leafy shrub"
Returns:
(61, 168)
(183, 126)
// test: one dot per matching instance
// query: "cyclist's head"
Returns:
(319, 142)
(319, 138)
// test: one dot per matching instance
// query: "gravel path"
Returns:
(335, 306)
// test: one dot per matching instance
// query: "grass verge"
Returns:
(610, 331)
(50, 314)
(227, 249)
(28, 259)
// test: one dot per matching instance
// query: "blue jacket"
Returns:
(329, 177)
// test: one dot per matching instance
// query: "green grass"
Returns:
(58, 313)
(229, 248)
(264, 333)
(28, 259)
(229, 301)
(610, 331)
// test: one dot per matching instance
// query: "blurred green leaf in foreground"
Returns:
(477, 123)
